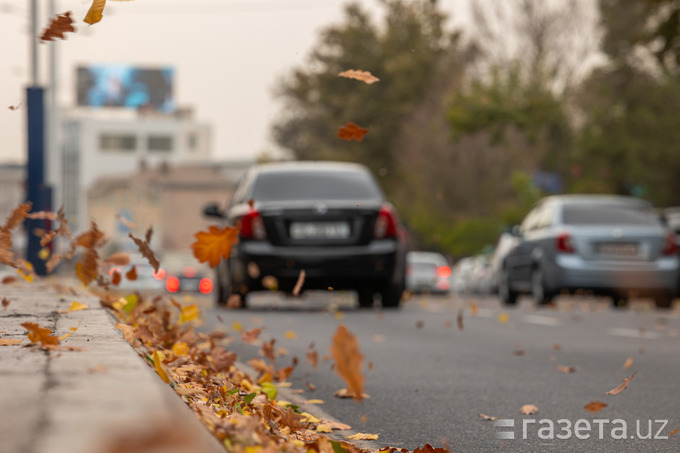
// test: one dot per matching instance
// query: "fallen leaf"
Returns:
(427, 448)
(358, 74)
(348, 360)
(157, 364)
(299, 283)
(557, 347)
(567, 369)
(336, 425)
(9, 342)
(628, 364)
(59, 25)
(312, 357)
(621, 387)
(251, 336)
(290, 335)
(595, 406)
(673, 433)
(323, 429)
(9, 279)
(363, 436)
(5, 303)
(460, 319)
(487, 417)
(75, 306)
(215, 244)
(352, 131)
(363, 418)
(310, 386)
(189, 313)
(95, 13)
(528, 409)
(344, 393)
(40, 334)
(314, 401)
(128, 333)
(72, 331)
(503, 318)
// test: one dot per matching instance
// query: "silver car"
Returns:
(427, 272)
(608, 245)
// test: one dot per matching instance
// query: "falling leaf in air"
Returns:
(40, 334)
(215, 244)
(487, 417)
(363, 436)
(5, 303)
(146, 252)
(299, 283)
(9, 342)
(115, 278)
(47, 238)
(460, 319)
(118, 259)
(352, 131)
(621, 387)
(95, 13)
(528, 409)
(131, 274)
(310, 386)
(628, 364)
(312, 356)
(59, 25)
(348, 360)
(189, 313)
(15, 107)
(358, 74)
(252, 335)
(567, 369)
(268, 349)
(557, 347)
(595, 406)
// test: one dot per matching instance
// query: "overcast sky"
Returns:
(227, 56)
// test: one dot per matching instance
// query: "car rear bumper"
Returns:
(572, 273)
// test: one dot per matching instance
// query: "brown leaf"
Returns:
(460, 319)
(5, 303)
(348, 360)
(595, 406)
(284, 373)
(116, 278)
(43, 335)
(91, 238)
(487, 417)
(59, 25)
(131, 274)
(9, 279)
(358, 74)
(63, 229)
(557, 347)
(222, 359)
(86, 269)
(352, 131)
(310, 386)
(42, 215)
(528, 409)
(299, 283)
(567, 369)
(125, 222)
(146, 252)
(427, 448)
(148, 235)
(344, 393)
(17, 216)
(312, 357)
(628, 364)
(215, 244)
(252, 335)
(15, 107)
(292, 420)
(128, 334)
(621, 387)
(47, 238)
(268, 349)
(9, 342)
(118, 259)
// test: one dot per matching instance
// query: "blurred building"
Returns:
(12, 193)
(98, 143)
(170, 198)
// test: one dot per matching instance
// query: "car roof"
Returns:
(425, 256)
(296, 166)
(596, 198)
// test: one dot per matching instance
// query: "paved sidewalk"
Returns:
(102, 399)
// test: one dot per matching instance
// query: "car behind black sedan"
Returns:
(328, 219)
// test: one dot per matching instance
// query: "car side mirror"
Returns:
(212, 210)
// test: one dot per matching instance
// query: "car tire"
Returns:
(663, 300)
(505, 292)
(619, 301)
(391, 294)
(366, 297)
(541, 294)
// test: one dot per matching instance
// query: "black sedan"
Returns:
(328, 219)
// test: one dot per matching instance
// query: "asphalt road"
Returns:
(428, 379)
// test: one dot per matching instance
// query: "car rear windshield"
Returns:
(608, 214)
(319, 185)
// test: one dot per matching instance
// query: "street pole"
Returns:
(37, 193)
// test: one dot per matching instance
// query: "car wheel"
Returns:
(505, 293)
(663, 300)
(619, 301)
(539, 291)
(365, 298)
(391, 295)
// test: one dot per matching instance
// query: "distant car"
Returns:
(147, 279)
(189, 280)
(608, 245)
(427, 272)
(330, 219)
(504, 244)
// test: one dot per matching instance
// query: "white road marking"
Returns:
(634, 333)
(541, 320)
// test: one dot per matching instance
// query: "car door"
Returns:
(532, 235)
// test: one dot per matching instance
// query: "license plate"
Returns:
(617, 249)
(319, 230)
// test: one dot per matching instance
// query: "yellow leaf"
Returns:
(75, 306)
(180, 348)
(237, 326)
(44, 253)
(290, 335)
(323, 429)
(314, 402)
(503, 318)
(157, 359)
(254, 449)
(189, 313)
(95, 12)
(309, 418)
(72, 331)
(8, 341)
(215, 244)
(364, 436)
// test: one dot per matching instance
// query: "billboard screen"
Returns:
(125, 86)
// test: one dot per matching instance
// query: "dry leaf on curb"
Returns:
(215, 244)
(43, 335)
(344, 393)
(348, 360)
(427, 448)
(5, 303)
(251, 336)
(528, 409)
(358, 74)
(128, 333)
(628, 364)
(487, 417)
(9, 342)
(460, 319)
(363, 436)
(595, 406)
(299, 283)
(352, 131)
(567, 369)
(621, 387)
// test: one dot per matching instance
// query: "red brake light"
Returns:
(670, 246)
(205, 286)
(252, 226)
(444, 271)
(564, 244)
(172, 284)
(386, 223)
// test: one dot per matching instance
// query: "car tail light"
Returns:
(386, 223)
(160, 275)
(670, 246)
(564, 244)
(172, 284)
(444, 271)
(252, 226)
(205, 286)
